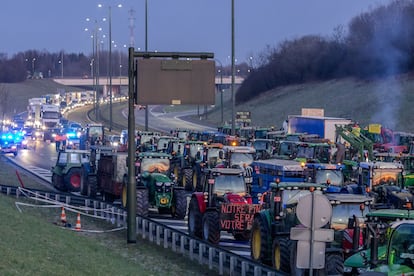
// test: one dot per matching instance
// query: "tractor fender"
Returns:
(266, 217)
(200, 200)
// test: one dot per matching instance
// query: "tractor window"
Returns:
(306, 152)
(62, 158)
(342, 212)
(402, 245)
(155, 165)
(385, 177)
(238, 159)
(229, 184)
(335, 178)
(74, 158)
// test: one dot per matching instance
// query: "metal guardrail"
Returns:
(216, 258)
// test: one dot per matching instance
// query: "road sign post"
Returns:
(313, 211)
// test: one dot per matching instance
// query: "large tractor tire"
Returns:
(281, 254)
(197, 184)
(260, 247)
(211, 227)
(57, 181)
(92, 186)
(142, 202)
(84, 182)
(194, 219)
(124, 194)
(179, 209)
(177, 174)
(73, 179)
(334, 263)
(188, 179)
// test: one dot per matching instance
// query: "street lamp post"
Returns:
(33, 66)
(221, 90)
(61, 65)
(110, 69)
(233, 69)
(110, 62)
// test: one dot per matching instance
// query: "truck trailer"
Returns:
(322, 126)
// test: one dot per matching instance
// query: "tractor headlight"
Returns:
(167, 184)
(158, 184)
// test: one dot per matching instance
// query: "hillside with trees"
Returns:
(376, 44)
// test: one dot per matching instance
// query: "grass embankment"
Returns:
(33, 243)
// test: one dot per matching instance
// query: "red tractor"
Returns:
(222, 205)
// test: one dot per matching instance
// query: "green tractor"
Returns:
(270, 240)
(380, 220)
(157, 186)
(67, 173)
(270, 234)
(399, 256)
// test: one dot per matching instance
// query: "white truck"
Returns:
(50, 117)
(322, 126)
(33, 112)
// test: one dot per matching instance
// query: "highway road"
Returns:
(41, 156)
(157, 119)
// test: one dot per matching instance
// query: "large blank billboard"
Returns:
(174, 81)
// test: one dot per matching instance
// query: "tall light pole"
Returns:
(33, 66)
(146, 50)
(61, 65)
(110, 62)
(221, 90)
(233, 69)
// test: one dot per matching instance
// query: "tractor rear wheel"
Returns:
(84, 182)
(142, 202)
(194, 219)
(124, 193)
(259, 241)
(92, 186)
(211, 227)
(73, 179)
(57, 181)
(188, 179)
(334, 263)
(281, 254)
(197, 185)
(179, 209)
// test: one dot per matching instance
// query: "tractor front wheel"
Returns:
(142, 202)
(281, 254)
(194, 219)
(92, 186)
(188, 179)
(334, 263)
(179, 209)
(57, 181)
(84, 182)
(259, 241)
(211, 227)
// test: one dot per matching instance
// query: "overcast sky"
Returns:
(173, 25)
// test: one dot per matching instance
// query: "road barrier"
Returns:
(216, 258)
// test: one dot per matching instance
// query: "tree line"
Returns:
(33, 63)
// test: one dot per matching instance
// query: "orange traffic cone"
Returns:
(63, 215)
(78, 223)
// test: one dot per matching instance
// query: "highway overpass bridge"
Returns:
(123, 81)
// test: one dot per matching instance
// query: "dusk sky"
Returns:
(173, 25)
